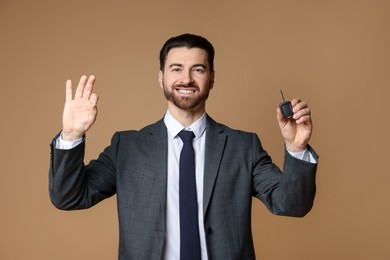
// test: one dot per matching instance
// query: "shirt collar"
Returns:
(174, 127)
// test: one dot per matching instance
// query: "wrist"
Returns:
(71, 136)
(296, 148)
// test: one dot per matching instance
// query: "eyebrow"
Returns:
(175, 64)
(181, 65)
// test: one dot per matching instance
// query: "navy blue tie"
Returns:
(189, 229)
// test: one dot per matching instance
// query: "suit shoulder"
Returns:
(235, 132)
(219, 127)
(149, 129)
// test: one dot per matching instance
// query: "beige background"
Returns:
(334, 54)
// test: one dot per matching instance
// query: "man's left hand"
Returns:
(296, 130)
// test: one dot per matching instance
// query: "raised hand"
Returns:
(296, 130)
(79, 112)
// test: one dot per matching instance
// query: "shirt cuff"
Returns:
(305, 155)
(67, 145)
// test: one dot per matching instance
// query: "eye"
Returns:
(175, 69)
(199, 70)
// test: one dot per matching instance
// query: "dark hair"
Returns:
(189, 41)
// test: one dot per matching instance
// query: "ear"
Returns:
(161, 78)
(212, 76)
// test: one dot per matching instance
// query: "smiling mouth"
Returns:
(185, 91)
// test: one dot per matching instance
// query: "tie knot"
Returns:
(186, 136)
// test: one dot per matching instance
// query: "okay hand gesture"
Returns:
(80, 111)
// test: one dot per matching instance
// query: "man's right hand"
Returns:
(79, 112)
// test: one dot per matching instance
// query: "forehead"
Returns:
(187, 56)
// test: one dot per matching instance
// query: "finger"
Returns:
(302, 112)
(304, 119)
(279, 114)
(89, 87)
(68, 93)
(299, 106)
(281, 119)
(94, 98)
(80, 87)
(295, 101)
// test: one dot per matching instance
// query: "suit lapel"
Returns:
(215, 145)
(158, 159)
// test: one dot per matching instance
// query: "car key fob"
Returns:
(286, 107)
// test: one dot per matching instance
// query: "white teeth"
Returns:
(186, 91)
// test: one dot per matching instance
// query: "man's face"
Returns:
(186, 78)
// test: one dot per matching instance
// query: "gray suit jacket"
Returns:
(134, 167)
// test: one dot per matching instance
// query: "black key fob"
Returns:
(286, 107)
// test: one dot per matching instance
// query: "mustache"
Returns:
(189, 85)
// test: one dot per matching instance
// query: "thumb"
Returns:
(279, 116)
(94, 98)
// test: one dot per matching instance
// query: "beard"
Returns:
(186, 103)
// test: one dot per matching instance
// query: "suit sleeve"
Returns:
(287, 193)
(74, 185)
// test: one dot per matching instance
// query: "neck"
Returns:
(186, 116)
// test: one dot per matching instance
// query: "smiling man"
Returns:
(186, 79)
(184, 184)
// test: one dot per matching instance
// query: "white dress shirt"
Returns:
(175, 144)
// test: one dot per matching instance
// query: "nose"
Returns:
(187, 78)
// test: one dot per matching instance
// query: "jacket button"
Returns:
(209, 230)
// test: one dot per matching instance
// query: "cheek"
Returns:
(168, 81)
(205, 83)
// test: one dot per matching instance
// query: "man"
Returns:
(146, 171)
